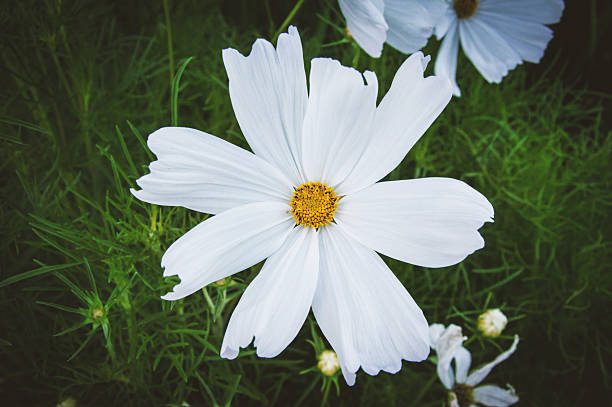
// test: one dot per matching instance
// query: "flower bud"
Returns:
(223, 282)
(348, 33)
(97, 313)
(328, 363)
(69, 402)
(492, 322)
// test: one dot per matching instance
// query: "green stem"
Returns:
(417, 399)
(170, 50)
(326, 394)
(356, 57)
(175, 91)
(285, 23)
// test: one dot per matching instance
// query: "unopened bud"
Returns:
(348, 33)
(328, 363)
(223, 282)
(69, 402)
(97, 313)
(492, 322)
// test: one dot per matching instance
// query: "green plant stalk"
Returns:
(175, 92)
(285, 23)
(170, 48)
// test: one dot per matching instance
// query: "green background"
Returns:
(84, 82)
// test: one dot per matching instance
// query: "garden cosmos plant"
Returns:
(448, 344)
(496, 35)
(308, 201)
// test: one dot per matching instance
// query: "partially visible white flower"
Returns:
(328, 363)
(448, 344)
(496, 35)
(404, 24)
(492, 322)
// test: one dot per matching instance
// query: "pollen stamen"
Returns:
(313, 204)
(465, 8)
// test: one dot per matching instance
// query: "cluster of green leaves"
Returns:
(80, 278)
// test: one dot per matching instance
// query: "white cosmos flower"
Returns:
(496, 35)
(404, 24)
(308, 200)
(463, 387)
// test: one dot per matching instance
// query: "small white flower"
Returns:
(308, 200)
(448, 344)
(492, 322)
(404, 24)
(328, 363)
(496, 35)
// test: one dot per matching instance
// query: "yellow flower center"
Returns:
(313, 204)
(465, 8)
(464, 394)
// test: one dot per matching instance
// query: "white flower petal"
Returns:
(410, 24)
(463, 361)
(443, 15)
(269, 96)
(446, 61)
(479, 374)
(207, 174)
(487, 49)
(406, 111)
(226, 244)
(528, 38)
(338, 120)
(435, 8)
(494, 396)
(539, 11)
(274, 306)
(430, 222)
(446, 347)
(365, 313)
(435, 331)
(365, 21)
